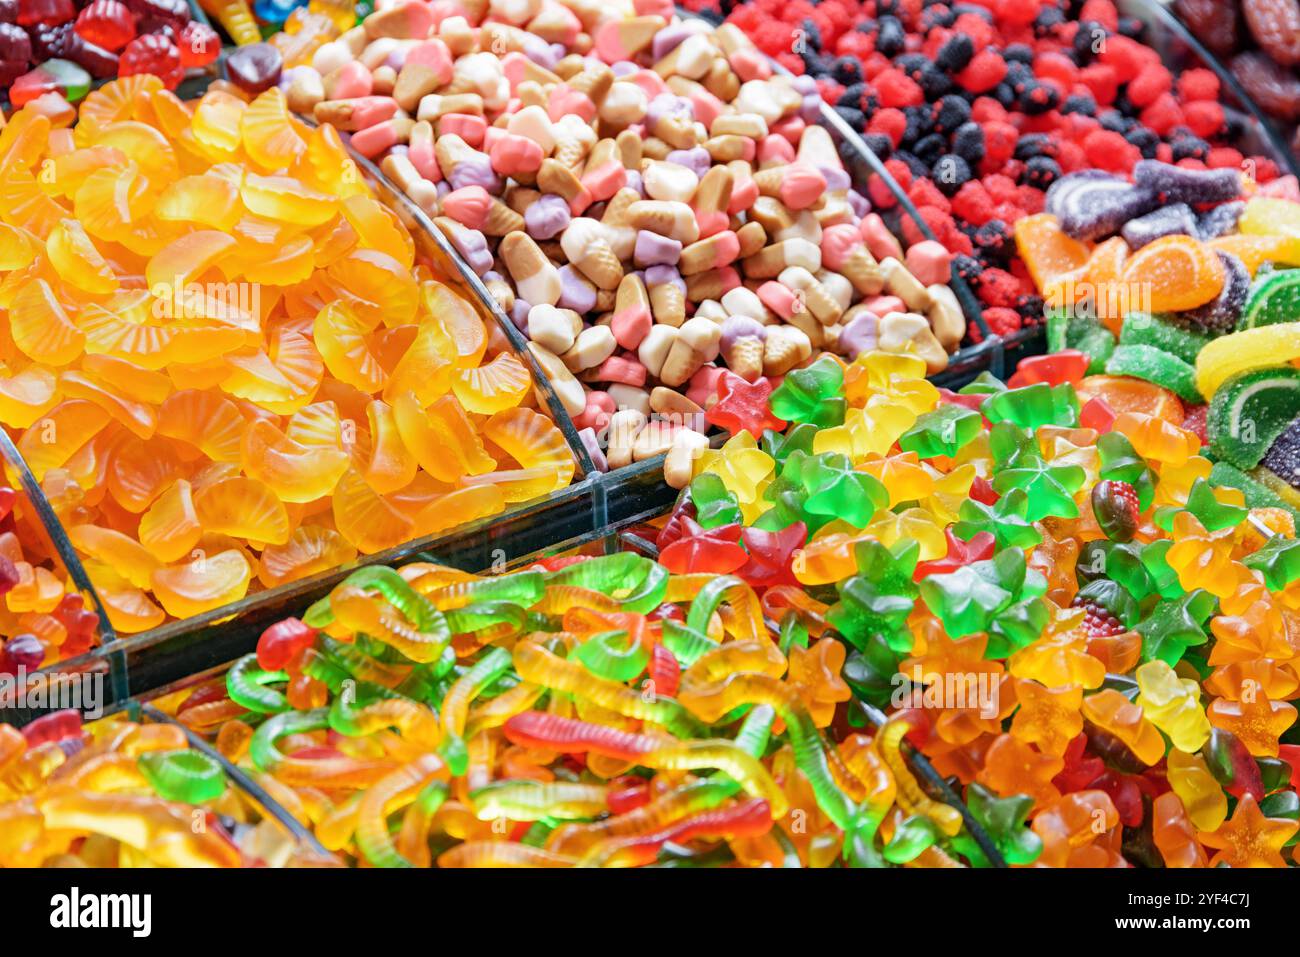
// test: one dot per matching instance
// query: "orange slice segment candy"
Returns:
(202, 584)
(365, 518)
(295, 473)
(269, 140)
(243, 508)
(1174, 273)
(310, 549)
(494, 387)
(210, 423)
(170, 527)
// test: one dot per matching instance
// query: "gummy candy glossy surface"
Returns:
(228, 367)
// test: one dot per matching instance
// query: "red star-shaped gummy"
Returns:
(960, 554)
(770, 555)
(699, 549)
(744, 406)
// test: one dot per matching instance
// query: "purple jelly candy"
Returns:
(1092, 204)
(1179, 185)
(654, 250)
(519, 314)
(860, 205)
(859, 335)
(1220, 221)
(836, 179)
(1221, 313)
(23, 651)
(576, 293)
(547, 217)
(475, 171)
(1165, 221)
(255, 67)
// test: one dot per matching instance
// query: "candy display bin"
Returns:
(159, 805)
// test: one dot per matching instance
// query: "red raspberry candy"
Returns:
(1101, 11)
(1163, 115)
(1224, 157)
(925, 193)
(1204, 117)
(999, 288)
(156, 54)
(985, 109)
(1000, 141)
(1109, 151)
(1198, 84)
(1151, 83)
(981, 32)
(895, 88)
(107, 24)
(1056, 66)
(1102, 80)
(973, 203)
(1002, 321)
(984, 72)
(890, 122)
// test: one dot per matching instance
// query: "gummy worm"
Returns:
(413, 838)
(413, 721)
(246, 684)
(383, 799)
(889, 743)
(748, 819)
(538, 665)
(357, 610)
(604, 658)
(455, 706)
(495, 713)
(188, 776)
(525, 800)
(735, 591)
(501, 854)
(327, 772)
(521, 588)
(636, 581)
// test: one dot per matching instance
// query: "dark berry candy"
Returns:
(1275, 89)
(950, 173)
(930, 148)
(1221, 314)
(1020, 54)
(15, 52)
(50, 43)
(1080, 103)
(955, 53)
(107, 24)
(1283, 456)
(1089, 40)
(967, 267)
(154, 54)
(1213, 22)
(1179, 185)
(255, 67)
(1145, 140)
(856, 119)
(1220, 221)
(1131, 27)
(1041, 172)
(1115, 505)
(812, 34)
(8, 11)
(937, 15)
(1115, 122)
(968, 143)
(1190, 147)
(1047, 20)
(993, 238)
(950, 112)
(913, 164)
(1038, 98)
(846, 70)
(878, 143)
(1030, 306)
(890, 36)
(1005, 95)
(1034, 144)
(49, 12)
(1165, 221)
(1092, 204)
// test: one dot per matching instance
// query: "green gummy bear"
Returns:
(944, 431)
(1034, 405)
(814, 394)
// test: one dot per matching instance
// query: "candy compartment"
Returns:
(137, 789)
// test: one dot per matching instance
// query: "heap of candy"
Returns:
(42, 619)
(977, 108)
(1260, 42)
(224, 362)
(1072, 622)
(62, 46)
(119, 794)
(641, 194)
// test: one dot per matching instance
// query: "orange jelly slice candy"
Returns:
(1173, 273)
(1047, 251)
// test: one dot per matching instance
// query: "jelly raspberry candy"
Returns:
(984, 72)
(891, 122)
(897, 89)
(198, 44)
(1002, 321)
(1116, 508)
(1204, 118)
(1273, 88)
(1198, 84)
(1098, 622)
(1149, 84)
(49, 12)
(15, 52)
(153, 53)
